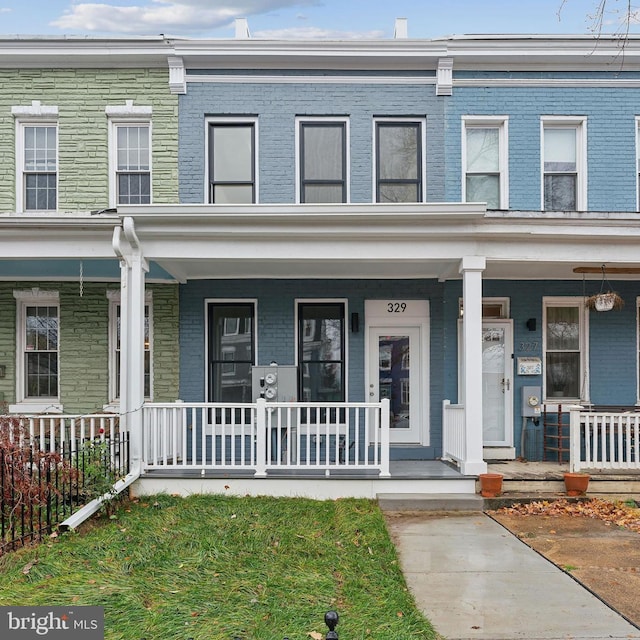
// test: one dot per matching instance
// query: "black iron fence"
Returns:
(40, 488)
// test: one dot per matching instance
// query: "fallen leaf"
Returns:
(400, 614)
(27, 567)
(315, 635)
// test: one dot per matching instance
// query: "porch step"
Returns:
(430, 502)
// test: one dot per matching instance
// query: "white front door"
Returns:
(497, 383)
(396, 366)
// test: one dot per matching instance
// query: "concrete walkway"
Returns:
(475, 580)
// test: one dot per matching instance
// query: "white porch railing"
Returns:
(604, 440)
(265, 436)
(453, 435)
(66, 434)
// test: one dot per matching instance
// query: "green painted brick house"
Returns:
(84, 126)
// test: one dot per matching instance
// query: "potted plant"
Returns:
(490, 484)
(576, 483)
(605, 301)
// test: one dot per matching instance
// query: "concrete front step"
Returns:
(430, 502)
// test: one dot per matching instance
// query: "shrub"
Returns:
(32, 482)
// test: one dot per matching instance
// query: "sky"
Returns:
(315, 19)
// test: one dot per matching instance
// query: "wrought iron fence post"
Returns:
(331, 619)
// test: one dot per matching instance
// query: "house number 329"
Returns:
(396, 307)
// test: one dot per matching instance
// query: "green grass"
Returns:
(219, 567)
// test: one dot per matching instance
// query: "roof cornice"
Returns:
(83, 52)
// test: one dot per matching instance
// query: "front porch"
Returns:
(325, 451)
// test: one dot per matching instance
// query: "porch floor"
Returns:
(399, 469)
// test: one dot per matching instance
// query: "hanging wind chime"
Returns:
(607, 299)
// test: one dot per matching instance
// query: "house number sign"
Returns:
(400, 310)
(529, 366)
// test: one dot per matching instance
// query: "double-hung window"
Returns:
(38, 153)
(399, 162)
(322, 160)
(38, 348)
(564, 163)
(130, 157)
(564, 326)
(36, 157)
(231, 339)
(638, 166)
(115, 367)
(231, 161)
(485, 160)
(133, 163)
(321, 351)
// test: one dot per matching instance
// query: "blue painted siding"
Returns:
(277, 105)
(611, 153)
(613, 357)
(276, 328)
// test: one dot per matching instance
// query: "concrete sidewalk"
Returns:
(475, 580)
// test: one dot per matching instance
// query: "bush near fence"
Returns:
(40, 488)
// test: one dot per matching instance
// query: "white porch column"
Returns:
(133, 267)
(471, 268)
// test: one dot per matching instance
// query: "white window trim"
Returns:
(25, 298)
(347, 142)
(297, 302)
(483, 122)
(637, 172)
(35, 116)
(209, 301)
(423, 151)
(579, 123)
(568, 301)
(249, 120)
(126, 115)
(114, 301)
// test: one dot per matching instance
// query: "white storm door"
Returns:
(497, 383)
(395, 373)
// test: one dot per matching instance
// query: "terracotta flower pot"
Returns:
(490, 484)
(576, 483)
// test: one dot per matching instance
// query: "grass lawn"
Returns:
(214, 567)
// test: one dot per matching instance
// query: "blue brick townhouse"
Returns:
(387, 253)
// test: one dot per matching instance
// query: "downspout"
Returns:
(84, 513)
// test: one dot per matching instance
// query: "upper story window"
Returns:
(132, 178)
(638, 163)
(564, 339)
(564, 164)
(322, 160)
(36, 157)
(231, 161)
(399, 165)
(485, 161)
(129, 154)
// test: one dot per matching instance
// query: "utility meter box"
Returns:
(275, 383)
(531, 402)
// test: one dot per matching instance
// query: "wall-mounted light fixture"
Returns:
(531, 324)
(355, 322)
(3, 370)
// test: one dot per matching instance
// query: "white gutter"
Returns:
(94, 506)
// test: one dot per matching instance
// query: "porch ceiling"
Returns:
(285, 267)
(381, 241)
